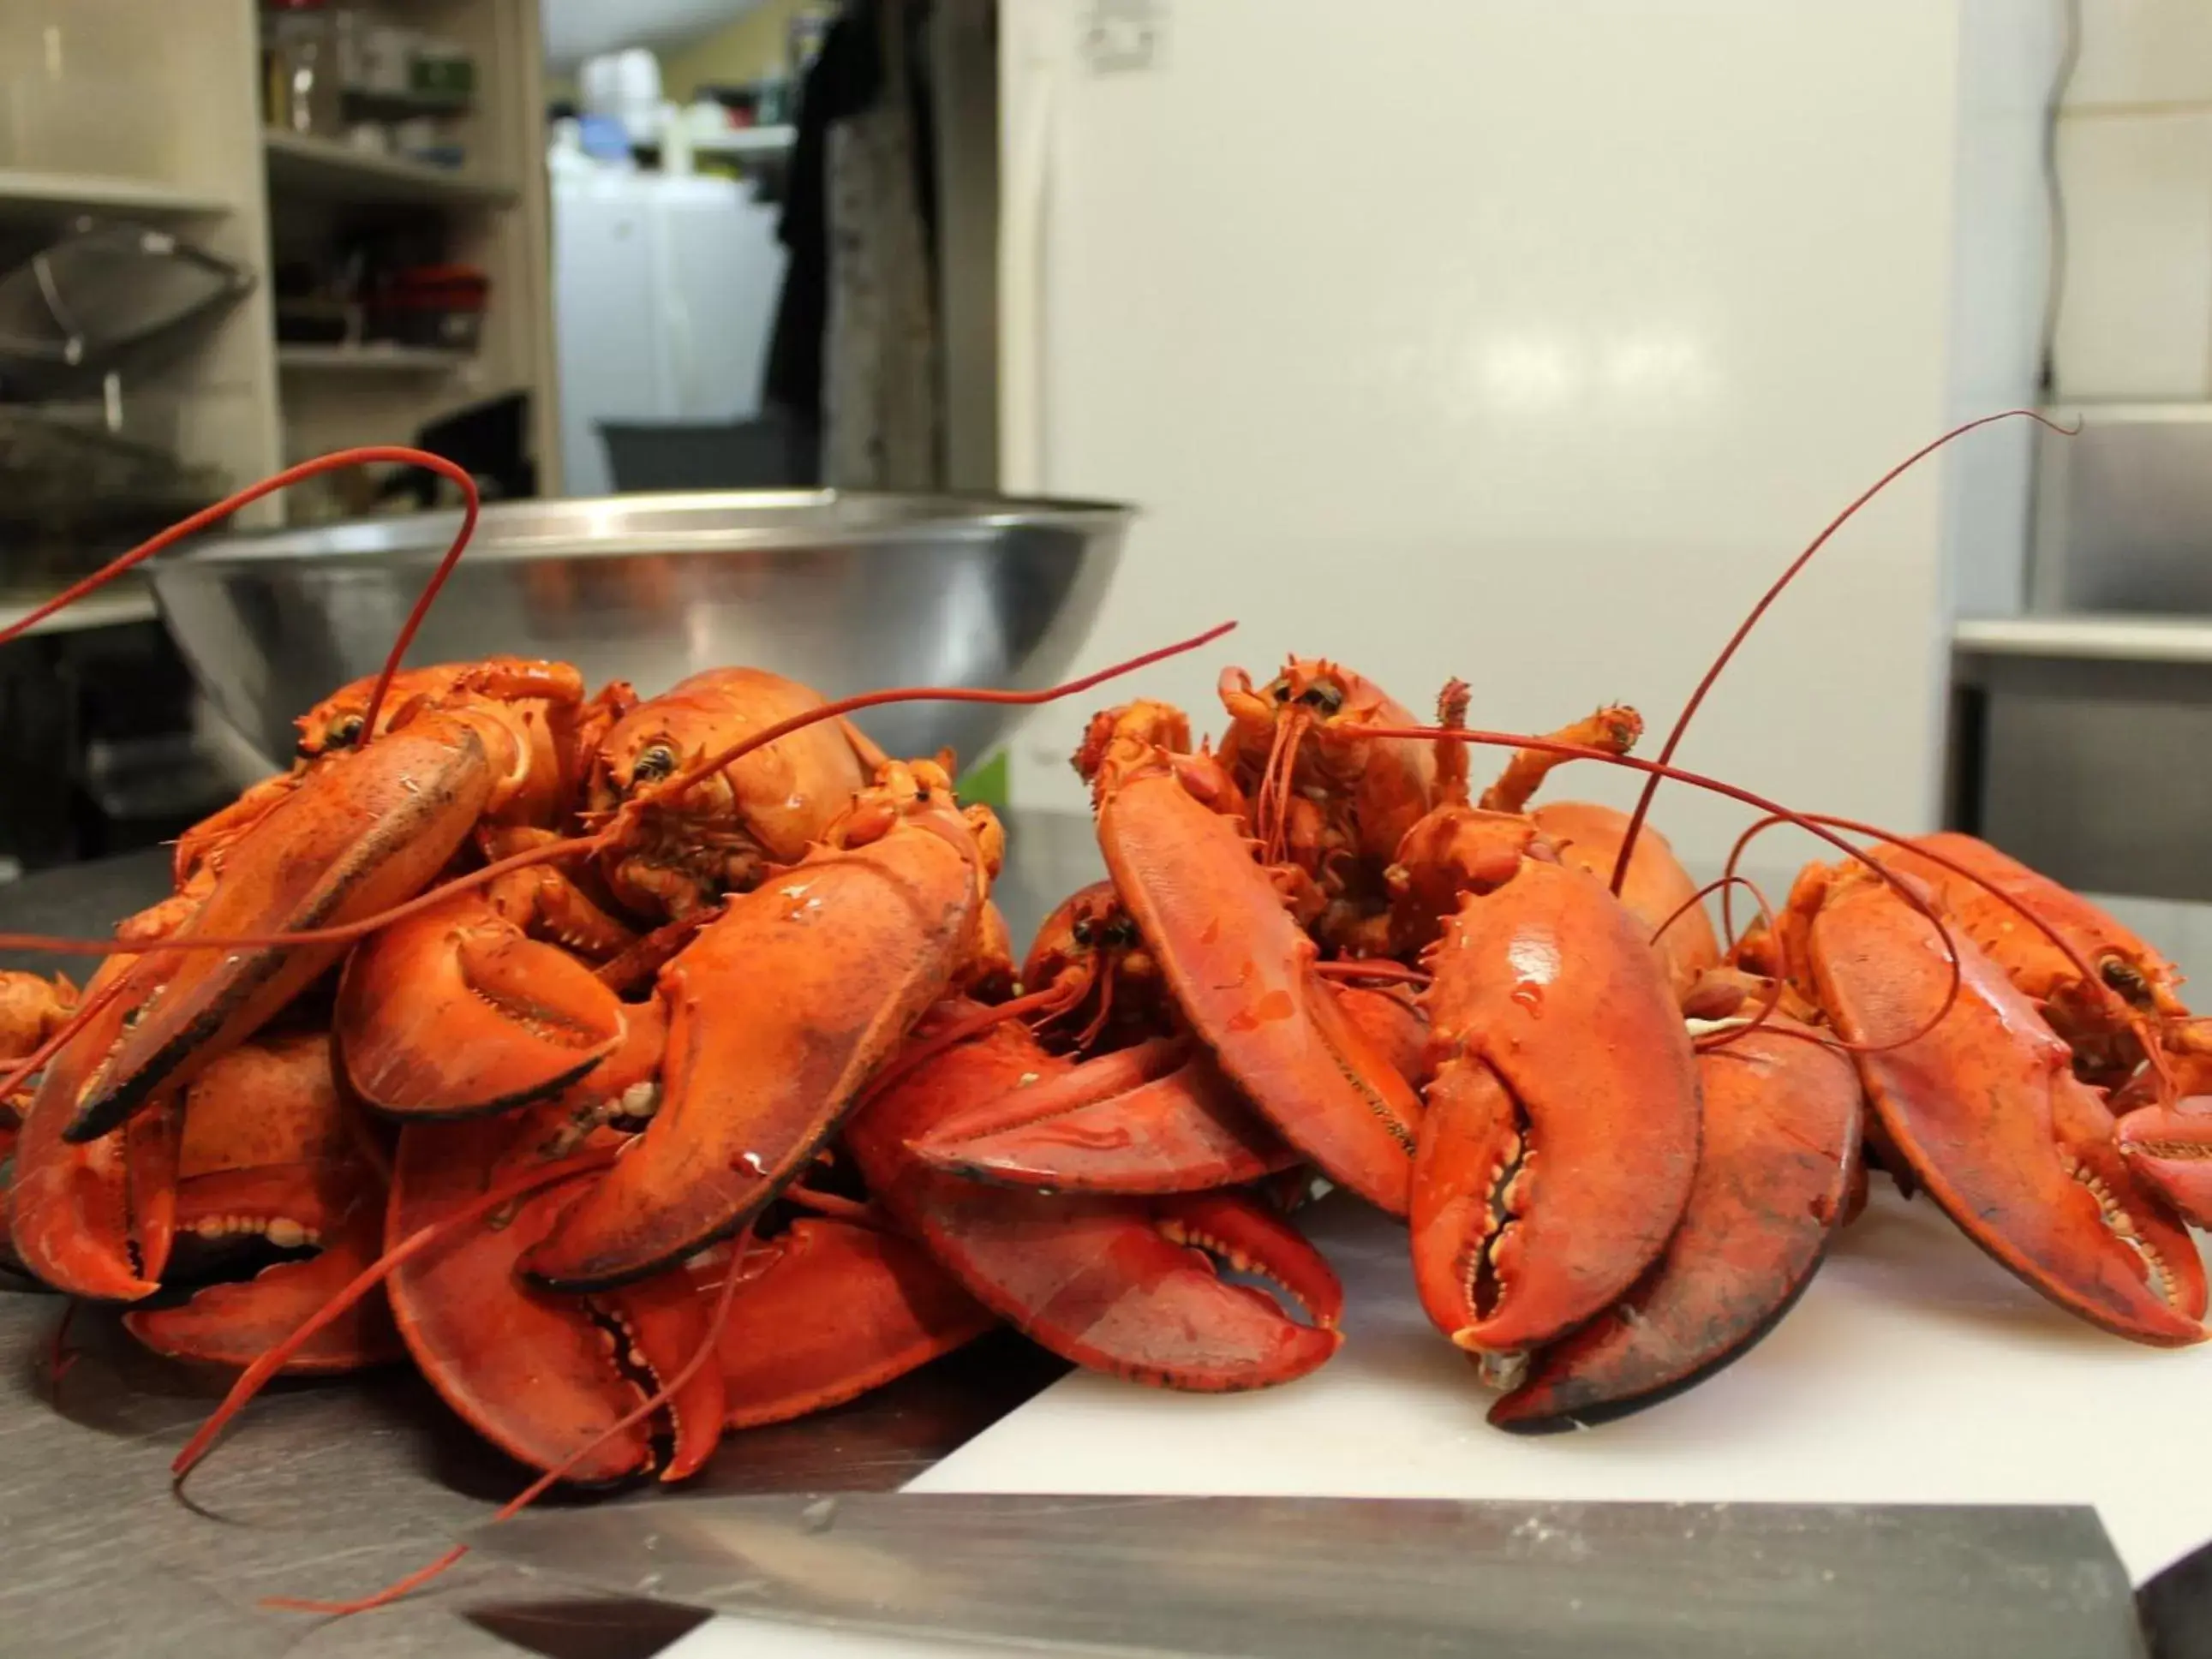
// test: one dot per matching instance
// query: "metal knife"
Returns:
(1299, 1577)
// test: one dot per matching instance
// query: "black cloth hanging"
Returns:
(845, 78)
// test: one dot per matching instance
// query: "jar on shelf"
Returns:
(302, 80)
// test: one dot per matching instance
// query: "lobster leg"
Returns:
(456, 1010)
(1775, 1170)
(777, 1014)
(1242, 974)
(830, 1310)
(1155, 1118)
(1985, 1111)
(359, 834)
(1553, 1165)
(1107, 1282)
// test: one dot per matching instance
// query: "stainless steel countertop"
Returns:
(332, 1489)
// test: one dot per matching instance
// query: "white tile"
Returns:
(2143, 51)
(2135, 321)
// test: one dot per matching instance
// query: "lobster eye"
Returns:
(2124, 977)
(1326, 698)
(654, 764)
(1122, 935)
(1082, 930)
(1280, 690)
(343, 732)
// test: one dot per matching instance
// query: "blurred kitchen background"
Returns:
(1441, 336)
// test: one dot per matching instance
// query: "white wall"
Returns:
(1527, 342)
(2136, 165)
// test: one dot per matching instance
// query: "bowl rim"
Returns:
(591, 527)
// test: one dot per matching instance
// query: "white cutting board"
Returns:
(1913, 1370)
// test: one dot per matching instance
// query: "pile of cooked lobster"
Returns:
(642, 1070)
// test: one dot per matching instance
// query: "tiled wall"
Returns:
(2135, 159)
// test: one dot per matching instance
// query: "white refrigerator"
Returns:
(1525, 342)
(664, 289)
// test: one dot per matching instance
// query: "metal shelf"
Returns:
(331, 171)
(371, 359)
(35, 196)
(2087, 638)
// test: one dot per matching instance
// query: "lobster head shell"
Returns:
(720, 835)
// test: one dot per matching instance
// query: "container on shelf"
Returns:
(300, 49)
(440, 305)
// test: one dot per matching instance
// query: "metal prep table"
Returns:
(329, 1489)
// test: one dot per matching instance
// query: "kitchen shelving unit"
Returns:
(189, 151)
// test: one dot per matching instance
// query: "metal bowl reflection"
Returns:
(844, 591)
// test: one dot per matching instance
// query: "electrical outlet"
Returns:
(1118, 35)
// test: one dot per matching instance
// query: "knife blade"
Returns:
(1297, 1577)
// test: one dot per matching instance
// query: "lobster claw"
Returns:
(2169, 1148)
(265, 1152)
(1985, 1111)
(360, 834)
(1242, 973)
(778, 1013)
(234, 1324)
(1552, 1168)
(537, 1374)
(94, 1220)
(1656, 888)
(828, 1310)
(1775, 1170)
(456, 1011)
(1158, 1117)
(1115, 1283)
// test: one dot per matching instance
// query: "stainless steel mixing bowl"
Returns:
(844, 591)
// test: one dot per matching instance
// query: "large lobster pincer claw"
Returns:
(93, 1219)
(1776, 1166)
(1986, 1112)
(1117, 1283)
(458, 1010)
(779, 1012)
(360, 834)
(1242, 973)
(1554, 1165)
(266, 1155)
(540, 1375)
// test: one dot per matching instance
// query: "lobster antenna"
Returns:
(207, 518)
(1660, 769)
(702, 769)
(1743, 630)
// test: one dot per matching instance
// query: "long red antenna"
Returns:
(1806, 822)
(692, 773)
(1743, 630)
